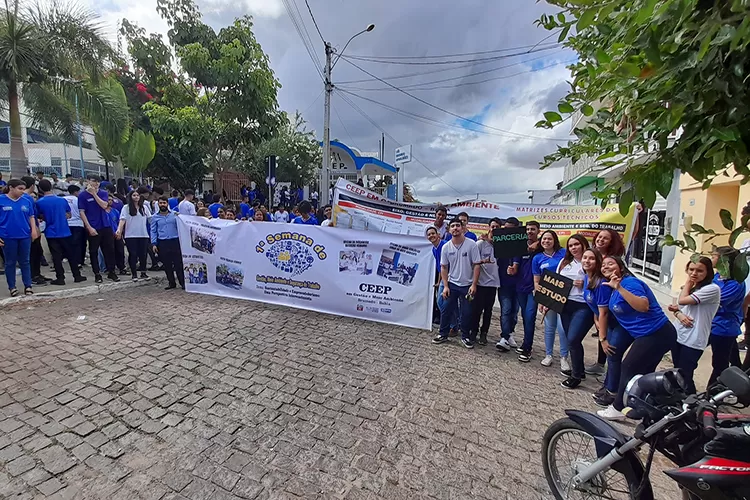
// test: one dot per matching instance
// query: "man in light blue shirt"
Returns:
(166, 243)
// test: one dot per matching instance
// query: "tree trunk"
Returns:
(18, 161)
(106, 168)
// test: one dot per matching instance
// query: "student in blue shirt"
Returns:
(525, 291)
(17, 230)
(464, 217)
(613, 339)
(246, 213)
(305, 216)
(92, 204)
(55, 212)
(114, 210)
(174, 201)
(548, 259)
(433, 236)
(725, 327)
(166, 242)
(215, 206)
(636, 309)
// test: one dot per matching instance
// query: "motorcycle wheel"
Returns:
(566, 449)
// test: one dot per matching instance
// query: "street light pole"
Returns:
(326, 176)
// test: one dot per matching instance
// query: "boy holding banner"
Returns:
(459, 272)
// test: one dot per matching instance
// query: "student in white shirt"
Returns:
(59, 187)
(281, 214)
(186, 206)
(75, 224)
(459, 271)
(695, 310)
(133, 226)
(577, 318)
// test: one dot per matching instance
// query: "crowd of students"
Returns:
(113, 222)
(634, 332)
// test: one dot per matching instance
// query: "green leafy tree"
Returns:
(139, 151)
(298, 153)
(663, 84)
(52, 56)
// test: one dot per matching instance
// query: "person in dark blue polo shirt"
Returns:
(508, 270)
(725, 327)
(55, 212)
(245, 210)
(525, 291)
(305, 216)
(17, 229)
(92, 204)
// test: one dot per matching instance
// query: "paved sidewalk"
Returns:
(169, 395)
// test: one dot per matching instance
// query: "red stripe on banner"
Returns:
(349, 204)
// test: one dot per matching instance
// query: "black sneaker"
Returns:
(144, 276)
(567, 373)
(604, 400)
(524, 357)
(57, 282)
(40, 281)
(467, 343)
(98, 278)
(80, 279)
(170, 287)
(570, 383)
(483, 338)
(154, 267)
(113, 277)
(599, 392)
(440, 340)
(124, 272)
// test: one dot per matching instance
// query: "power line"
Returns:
(455, 61)
(342, 124)
(359, 110)
(307, 33)
(420, 86)
(314, 21)
(451, 113)
(313, 103)
(494, 51)
(307, 42)
(426, 119)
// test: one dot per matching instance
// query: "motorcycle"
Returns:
(711, 450)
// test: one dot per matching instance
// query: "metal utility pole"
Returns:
(80, 139)
(327, 128)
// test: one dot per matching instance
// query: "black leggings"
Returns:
(724, 353)
(481, 309)
(644, 356)
(137, 249)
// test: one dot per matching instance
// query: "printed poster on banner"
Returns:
(356, 207)
(373, 276)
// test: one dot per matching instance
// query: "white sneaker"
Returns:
(610, 413)
(503, 345)
(547, 361)
(512, 342)
(564, 365)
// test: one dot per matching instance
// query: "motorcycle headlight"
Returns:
(631, 389)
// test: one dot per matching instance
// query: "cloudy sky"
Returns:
(458, 158)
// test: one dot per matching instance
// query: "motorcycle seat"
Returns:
(732, 444)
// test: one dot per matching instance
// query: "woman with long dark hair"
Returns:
(548, 259)
(725, 327)
(577, 318)
(133, 226)
(636, 309)
(607, 242)
(695, 310)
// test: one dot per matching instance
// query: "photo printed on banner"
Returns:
(203, 239)
(398, 266)
(196, 272)
(230, 274)
(355, 262)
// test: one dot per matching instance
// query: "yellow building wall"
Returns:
(703, 207)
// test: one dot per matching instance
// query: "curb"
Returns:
(79, 292)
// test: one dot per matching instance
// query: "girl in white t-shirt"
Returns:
(577, 318)
(695, 310)
(133, 227)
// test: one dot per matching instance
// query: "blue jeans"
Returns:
(509, 306)
(577, 320)
(528, 314)
(620, 340)
(17, 251)
(553, 325)
(455, 318)
(102, 263)
(457, 297)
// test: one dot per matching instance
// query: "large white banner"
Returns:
(373, 276)
(358, 208)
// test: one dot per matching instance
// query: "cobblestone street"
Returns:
(160, 395)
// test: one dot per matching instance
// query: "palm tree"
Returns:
(54, 57)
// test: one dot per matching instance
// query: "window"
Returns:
(5, 135)
(56, 162)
